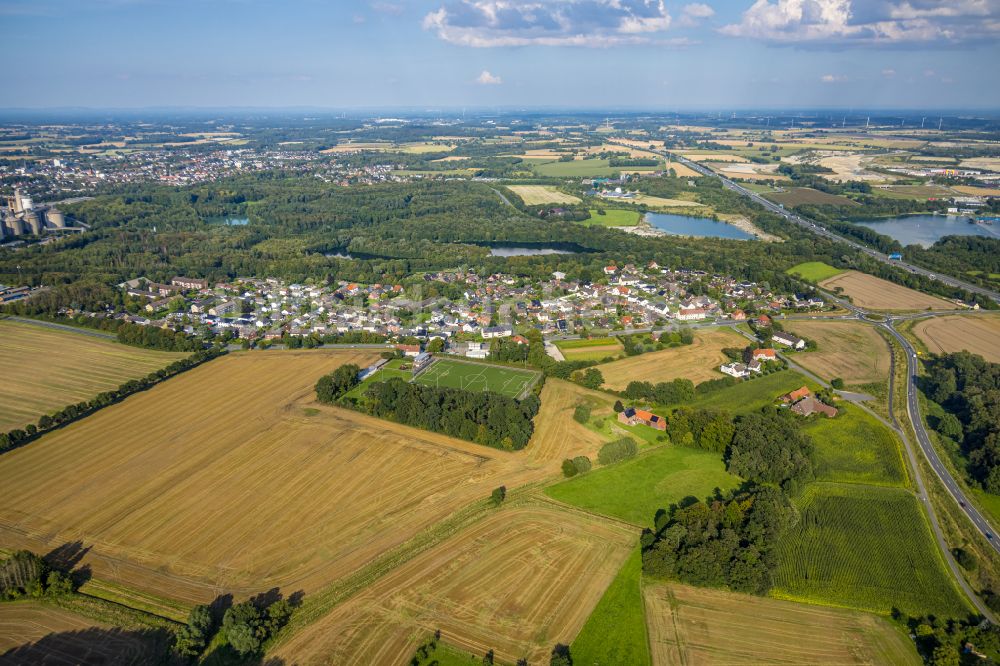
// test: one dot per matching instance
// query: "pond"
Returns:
(700, 227)
(524, 251)
(926, 230)
(228, 221)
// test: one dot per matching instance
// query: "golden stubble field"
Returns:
(45, 369)
(231, 478)
(979, 334)
(517, 582)
(698, 361)
(868, 291)
(853, 351)
(696, 626)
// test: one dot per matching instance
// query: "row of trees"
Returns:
(486, 418)
(70, 413)
(245, 627)
(331, 387)
(25, 574)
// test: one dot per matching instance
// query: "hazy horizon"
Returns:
(593, 54)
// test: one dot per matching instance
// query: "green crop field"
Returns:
(613, 217)
(750, 396)
(633, 490)
(814, 271)
(799, 196)
(584, 168)
(467, 376)
(855, 447)
(868, 548)
(615, 632)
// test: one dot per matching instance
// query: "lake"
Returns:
(926, 230)
(520, 251)
(701, 227)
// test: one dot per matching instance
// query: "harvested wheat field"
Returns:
(533, 195)
(868, 291)
(853, 351)
(231, 477)
(46, 369)
(693, 626)
(517, 582)
(976, 334)
(37, 633)
(698, 361)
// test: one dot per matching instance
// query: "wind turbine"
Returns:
(867, 120)
(922, 122)
(940, 120)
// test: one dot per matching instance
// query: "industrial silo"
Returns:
(55, 218)
(34, 224)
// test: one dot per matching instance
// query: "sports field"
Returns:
(814, 271)
(517, 582)
(974, 333)
(692, 625)
(633, 490)
(868, 291)
(468, 376)
(35, 633)
(45, 369)
(868, 548)
(533, 195)
(851, 350)
(698, 361)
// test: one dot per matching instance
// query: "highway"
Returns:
(825, 233)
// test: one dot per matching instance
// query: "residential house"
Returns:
(764, 355)
(735, 370)
(189, 283)
(811, 405)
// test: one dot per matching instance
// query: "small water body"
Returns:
(228, 221)
(700, 227)
(520, 251)
(926, 230)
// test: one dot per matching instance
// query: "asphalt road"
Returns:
(825, 233)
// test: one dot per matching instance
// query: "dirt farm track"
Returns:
(232, 478)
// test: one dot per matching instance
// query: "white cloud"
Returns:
(694, 13)
(888, 73)
(595, 23)
(833, 78)
(487, 79)
(869, 21)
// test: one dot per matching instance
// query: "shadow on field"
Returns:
(109, 647)
(67, 557)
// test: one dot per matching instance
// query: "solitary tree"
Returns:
(499, 495)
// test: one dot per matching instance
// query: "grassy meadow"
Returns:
(856, 448)
(814, 271)
(635, 489)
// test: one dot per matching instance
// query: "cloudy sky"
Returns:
(660, 54)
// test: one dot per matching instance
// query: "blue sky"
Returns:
(568, 53)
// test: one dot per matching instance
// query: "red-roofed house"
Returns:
(632, 416)
(764, 355)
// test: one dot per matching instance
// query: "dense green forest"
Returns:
(392, 231)
(967, 389)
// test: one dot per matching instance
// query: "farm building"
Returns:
(796, 395)
(789, 340)
(810, 405)
(631, 416)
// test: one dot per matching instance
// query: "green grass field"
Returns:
(385, 373)
(585, 342)
(615, 632)
(613, 217)
(633, 490)
(750, 396)
(856, 448)
(467, 376)
(868, 548)
(814, 271)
